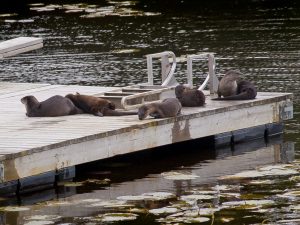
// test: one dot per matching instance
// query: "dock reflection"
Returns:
(140, 173)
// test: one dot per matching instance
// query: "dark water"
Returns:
(105, 43)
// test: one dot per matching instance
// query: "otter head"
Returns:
(143, 112)
(70, 96)
(234, 75)
(179, 89)
(29, 102)
(111, 105)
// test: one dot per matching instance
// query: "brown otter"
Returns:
(189, 97)
(169, 107)
(228, 84)
(96, 105)
(245, 91)
(54, 106)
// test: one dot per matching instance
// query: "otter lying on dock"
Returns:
(54, 106)
(189, 97)
(169, 107)
(245, 91)
(96, 105)
(233, 88)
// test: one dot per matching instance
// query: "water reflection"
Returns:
(144, 174)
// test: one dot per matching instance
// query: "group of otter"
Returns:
(231, 87)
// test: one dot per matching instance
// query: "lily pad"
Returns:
(134, 198)
(10, 21)
(291, 194)
(36, 4)
(244, 174)
(74, 11)
(273, 170)
(295, 178)
(96, 181)
(43, 217)
(200, 211)
(164, 210)
(8, 14)
(42, 9)
(291, 221)
(249, 203)
(278, 170)
(123, 51)
(154, 196)
(295, 207)
(194, 198)
(160, 195)
(111, 204)
(14, 209)
(39, 222)
(227, 219)
(138, 210)
(114, 217)
(58, 203)
(203, 192)
(70, 184)
(168, 220)
(91, 200)
(179, 176)
(230, 195)
(259, 182)
(227, 187)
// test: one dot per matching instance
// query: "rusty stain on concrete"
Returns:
(10, 171)
(179, 134)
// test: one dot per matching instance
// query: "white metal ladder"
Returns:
(167, 71)
(136, 95)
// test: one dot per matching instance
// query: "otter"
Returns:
(189, 97)
(54, 106)
(245, 91)
(96, 105)
(169, 107)
(228, 84)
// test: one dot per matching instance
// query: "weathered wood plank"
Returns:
(19, 45)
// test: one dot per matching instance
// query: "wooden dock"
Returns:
(33, 146)
(19, 45)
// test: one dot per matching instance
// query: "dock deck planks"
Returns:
(31, 146)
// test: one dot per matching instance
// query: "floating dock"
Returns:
(33, 146)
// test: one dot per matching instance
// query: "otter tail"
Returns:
(110, 112)
(242, 96)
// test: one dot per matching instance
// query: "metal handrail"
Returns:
(211, 78)
(167, 73)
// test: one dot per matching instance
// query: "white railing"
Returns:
(167, 72)
(211, 79)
